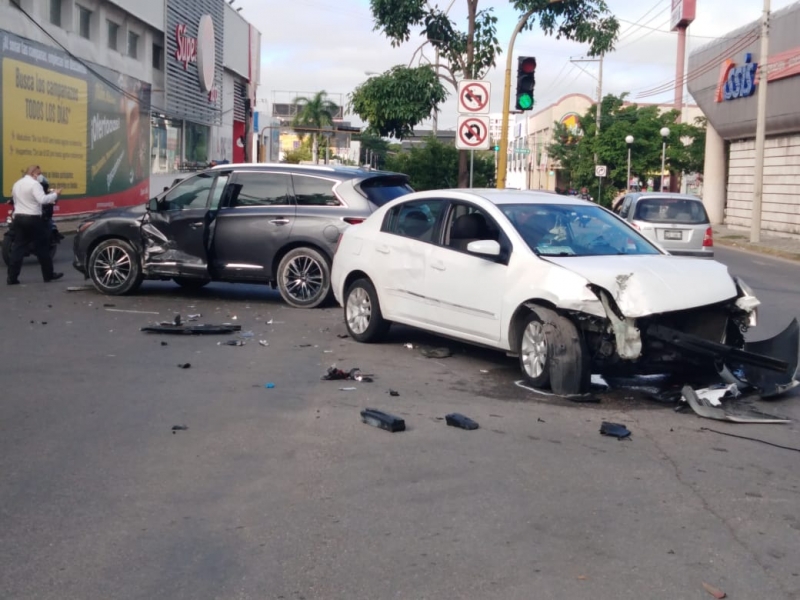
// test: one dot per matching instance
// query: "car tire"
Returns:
(362, 313)
(114, 268)
(191, 284)
(552, 353)
(7, 243)
(304, 278)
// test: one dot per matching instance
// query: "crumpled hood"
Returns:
(130, 212)
(646, 285)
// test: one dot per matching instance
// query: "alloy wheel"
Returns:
(534, 349)
(112, 267)
(359, 311)
(303, 278)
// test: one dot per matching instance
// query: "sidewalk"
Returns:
(769, 244)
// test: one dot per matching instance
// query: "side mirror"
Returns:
(152, 205)
(484, 248)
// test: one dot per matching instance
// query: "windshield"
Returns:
(564, 230)
(671, 210)
(380, 190)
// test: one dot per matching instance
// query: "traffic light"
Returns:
(526, 80)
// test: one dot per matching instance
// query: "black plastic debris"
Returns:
(107, 305)
(179, 428)
(185, 366)
(164, 344)
(460, 421)
(335, 374)
(192, 329)
(382, 420)
(436, 352)
(394, 393)
(232, 343)
(343, 336)
(614, 430)
(176, 320)
(740, 412)
(584, 399)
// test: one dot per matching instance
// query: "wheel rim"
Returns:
(534, 349)
(359, 311)
(112, 267)
(303, 278)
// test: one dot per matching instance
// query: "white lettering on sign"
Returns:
(187, 46)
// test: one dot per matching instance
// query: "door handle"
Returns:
(279, 221)
(383, 249)
(438, 265)
(197, 225)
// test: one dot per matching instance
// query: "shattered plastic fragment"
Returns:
(718, 594)
(394, 393)
(704, 409)
(263, 343)
(231, 343)
(185, 366)
(460, 421)
(599, 381)
(614, 430)
(179, 428)
(247, 334)
(164, 344)
(348, 389)
(193, 317)
(382, 420)
(269, 386)
(343, 336)
(409, 346)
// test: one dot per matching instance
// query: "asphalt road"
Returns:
(284, 494)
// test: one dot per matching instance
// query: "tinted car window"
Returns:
(671, 210)
(216, 195)
(381, 190)
(314, 191)
(191, 193)
(415, 220)
(260, 189)
(565, 230)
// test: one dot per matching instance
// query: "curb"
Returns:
(757, 249)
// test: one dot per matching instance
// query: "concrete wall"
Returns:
(236, 43)
(780, 209)
(147, 11)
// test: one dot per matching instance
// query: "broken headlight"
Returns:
(747, 301)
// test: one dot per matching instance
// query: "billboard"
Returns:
(87, 127)
(683, 13)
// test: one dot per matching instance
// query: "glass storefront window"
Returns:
(196, 147)
(165, 149)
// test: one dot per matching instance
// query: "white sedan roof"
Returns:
(496, 196)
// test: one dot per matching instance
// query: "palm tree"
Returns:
(314, 114)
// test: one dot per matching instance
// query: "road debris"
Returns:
(80, 288)
(409, 346)
(739, 412)
(342, 336)
(185, 366)
(132, 312)
(269, 386)
(179, 428)
(435, 352)
(164, 344)
(109, 305)
(193, 317)
(232, 343)
(263, 343)
(247, 334)
(382, 420)
(751, 439)
(348, 389)
(192, 329)
(614, 430)
(718, 594)
(460, 421)
(355, 374)
(394, 393)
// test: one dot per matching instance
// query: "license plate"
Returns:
(673, 235)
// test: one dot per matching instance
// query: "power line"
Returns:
(636, 25)
(644, 35)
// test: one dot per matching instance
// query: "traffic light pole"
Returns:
(502, 152)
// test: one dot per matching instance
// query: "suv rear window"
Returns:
(380, 190)
(671, 210)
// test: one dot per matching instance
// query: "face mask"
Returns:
(40, 178)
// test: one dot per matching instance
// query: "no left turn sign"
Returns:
(473, 97)
(473, 133)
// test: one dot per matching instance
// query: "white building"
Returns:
(519, 154)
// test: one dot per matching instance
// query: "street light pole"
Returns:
(629, 141)
(664, 135)
(761, 128)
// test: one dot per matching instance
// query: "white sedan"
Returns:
(562, 283)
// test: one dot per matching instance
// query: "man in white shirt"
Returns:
(29, 226)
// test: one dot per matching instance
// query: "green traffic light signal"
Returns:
(525, 101)
(526, 81)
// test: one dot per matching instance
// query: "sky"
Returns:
(331, 45)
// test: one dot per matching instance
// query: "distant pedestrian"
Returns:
(30, 227)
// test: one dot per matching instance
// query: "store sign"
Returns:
(737, 81)
(683, 13)
(784, 65)
(200, 50)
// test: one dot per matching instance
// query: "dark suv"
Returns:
(274, 224)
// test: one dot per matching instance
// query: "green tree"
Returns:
(433, 165)
(575, 153)
(312, 115)
(464, 54)
(375, 146)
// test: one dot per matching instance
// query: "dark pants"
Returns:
(30, 229)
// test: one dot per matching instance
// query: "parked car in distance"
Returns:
(275, 224)
(560, 282)
(676, 222)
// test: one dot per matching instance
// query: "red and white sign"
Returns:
(683, 13)
(473, 133)
(782, 65)
(200, 50)
(473, 97)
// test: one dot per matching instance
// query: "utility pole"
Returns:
(761, 127)
(599, 79)
(435, 123)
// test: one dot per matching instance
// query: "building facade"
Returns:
(105, 94)
(724, 76)
(543, 172)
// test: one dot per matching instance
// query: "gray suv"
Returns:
(274, 224)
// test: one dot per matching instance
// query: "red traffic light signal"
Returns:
(526, 81)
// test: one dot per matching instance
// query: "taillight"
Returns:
(708, 239)
(353, 220)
